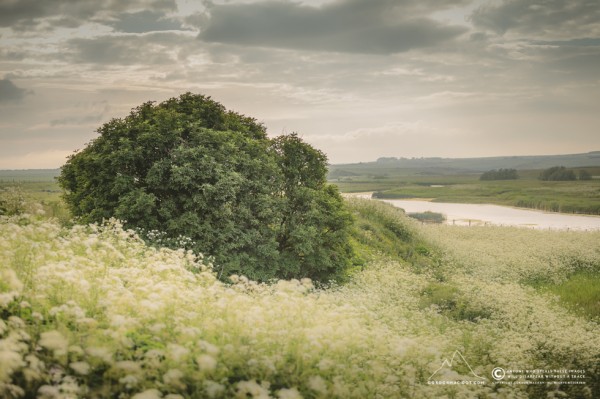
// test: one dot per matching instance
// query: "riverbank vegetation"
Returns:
(92, 311)
(578, 196)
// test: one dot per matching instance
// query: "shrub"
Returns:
(557, 173)
(428, 217)
(500, 174)
(12, 201)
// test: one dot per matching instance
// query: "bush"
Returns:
(12, 201)
(500, 174)
(192, 173)
(557, 173)
(428, 217)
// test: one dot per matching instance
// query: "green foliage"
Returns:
(557, 173)
(382, 229)
(428, 217)
(313, 233)
(450, 301)
(189, 171)
(500, 174)
(12, 201)
(580, 292)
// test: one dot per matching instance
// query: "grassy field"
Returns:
(91, 311)
(33, 189)
(526, 192)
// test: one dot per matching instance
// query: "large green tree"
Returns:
(313, 234)
(194, 174)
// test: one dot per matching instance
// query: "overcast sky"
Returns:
(359, 79)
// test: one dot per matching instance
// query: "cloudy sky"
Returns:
(359, 79)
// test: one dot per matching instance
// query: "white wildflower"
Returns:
(130, 381)
(326, 364)
(173, 378)
(128, 366)
(35, 368)
(54, 341)
(206, 362)
(291, 393)
(100, 353)
(48, 392)
(157, 327)
(177, 352)
(148, 394)
(252, 388)
(10, 361)
(213, 389)
(317, 384)
(208, 348)
(81, 368)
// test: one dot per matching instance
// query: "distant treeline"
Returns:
(500, 174)
(561, 173)
(555, 173)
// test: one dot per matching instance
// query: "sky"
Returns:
(358, 79)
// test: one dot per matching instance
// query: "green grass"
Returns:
(451, 302)
(32, 196)
(581, 293)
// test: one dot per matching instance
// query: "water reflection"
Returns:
(478, 214)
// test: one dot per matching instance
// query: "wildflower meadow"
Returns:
(91, 311)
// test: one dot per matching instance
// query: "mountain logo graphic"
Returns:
(457, 368)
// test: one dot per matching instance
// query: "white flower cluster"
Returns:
(517, 254)
(91, 311)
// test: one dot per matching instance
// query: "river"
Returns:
(483, 214)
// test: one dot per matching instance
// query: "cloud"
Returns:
(158, 48)
(84, 114)
(23, 14)
(9, 92)
(42, 159)
(144, 21)
(554, 19)
(355, 26)
(406, 139)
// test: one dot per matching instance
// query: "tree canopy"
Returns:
(187, 172)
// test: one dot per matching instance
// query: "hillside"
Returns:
(442, 166)
(28, 175)
(91, 311)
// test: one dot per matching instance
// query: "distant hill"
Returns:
(424, 166)
(29, 175)
(466, 165)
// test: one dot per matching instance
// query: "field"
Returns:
(91, 311)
